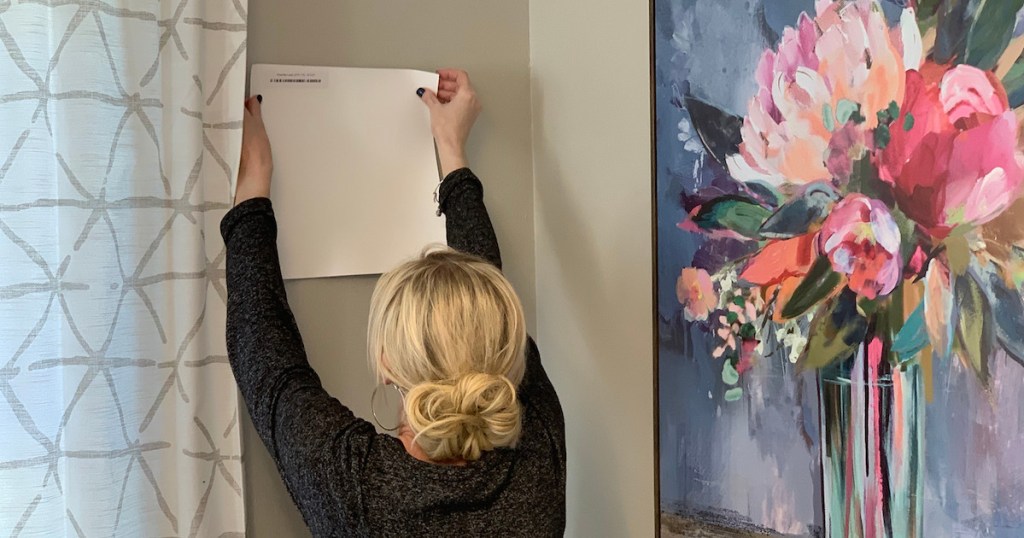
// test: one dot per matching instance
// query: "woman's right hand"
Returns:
(453, 110)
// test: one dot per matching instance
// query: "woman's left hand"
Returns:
(257, 163)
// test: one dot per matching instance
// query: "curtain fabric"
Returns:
(120, 127)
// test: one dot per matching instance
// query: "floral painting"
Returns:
(840, 256)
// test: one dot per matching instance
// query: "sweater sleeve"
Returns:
(469, 230)
(316, 442)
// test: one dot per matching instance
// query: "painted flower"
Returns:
(736, 331)
(696, 293)
(819, 93)
(861, 239)
(953, 157)
(780, 267)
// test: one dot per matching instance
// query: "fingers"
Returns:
(430, 98)
(454, 83)
(458, 76)
(257, 109)
(254, 106)
(446, 90)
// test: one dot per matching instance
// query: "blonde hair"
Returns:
(449, 329)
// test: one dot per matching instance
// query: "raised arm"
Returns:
(461, 199)
(453, 110)
(315, 441)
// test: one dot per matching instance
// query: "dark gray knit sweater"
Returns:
(346, 479)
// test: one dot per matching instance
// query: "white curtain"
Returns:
(120, 126)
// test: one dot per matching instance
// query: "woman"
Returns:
(481, 446)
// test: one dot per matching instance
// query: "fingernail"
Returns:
(259, 98)
(420, 92)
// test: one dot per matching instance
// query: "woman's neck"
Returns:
(408, 438)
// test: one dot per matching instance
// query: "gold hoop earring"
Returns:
(373, 406)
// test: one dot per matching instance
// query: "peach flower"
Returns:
(696, 293)
(819, 93)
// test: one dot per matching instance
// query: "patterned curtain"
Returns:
(120, 127)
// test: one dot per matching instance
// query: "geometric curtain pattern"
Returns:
(120, 129)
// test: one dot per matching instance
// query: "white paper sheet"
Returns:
(354, 167)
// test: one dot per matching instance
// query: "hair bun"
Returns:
(462, 418)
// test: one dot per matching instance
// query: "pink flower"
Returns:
(953, 158)
(696, 293)
(862, 241)
(818, 95)
(728, 333)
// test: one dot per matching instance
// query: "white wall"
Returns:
(592, 200)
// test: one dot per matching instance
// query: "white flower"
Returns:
(792, 337)
(691, 142)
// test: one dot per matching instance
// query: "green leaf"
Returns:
(925, 23)
(1007, 311)
(888, 114)
(882, 136)
(1014, 83)
(729, 374)
(958, 254)
(939, 306)
(718, 130)
(765, 194)
(865, 180)
(913, 337)
(908, 231)
(869, 307)
(991, 32)
(835, 333)
(927, 8)
(798, 215)
(883, 117)
(819, 283)
(733, 213)
(952, 26)
(974, 338)
(908, 122)
(732, 395)
(847, 110)
(894, 109)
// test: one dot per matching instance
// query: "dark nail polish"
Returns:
(259, 98)
(420, 92)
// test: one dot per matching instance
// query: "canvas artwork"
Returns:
(840, 256)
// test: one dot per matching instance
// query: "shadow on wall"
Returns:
(586, 303)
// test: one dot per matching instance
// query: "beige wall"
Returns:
(574, 192)
(591, 139)
(489, 38)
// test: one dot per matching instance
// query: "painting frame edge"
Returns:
(655, 330)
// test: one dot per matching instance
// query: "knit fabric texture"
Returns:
(347, 479)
